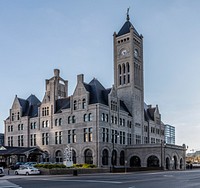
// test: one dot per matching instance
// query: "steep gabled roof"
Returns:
(98, 94)
(126, 29)
(62, 104)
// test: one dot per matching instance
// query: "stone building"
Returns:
(103, 126)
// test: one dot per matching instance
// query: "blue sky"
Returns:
(37, 36)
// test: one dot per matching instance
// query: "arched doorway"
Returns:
(59, 158)
(122, 158)
(167, 163)
(135, 161)
(174, 159)
(152, 161)
(88, 156)
(114, 157)
(181, 163)
(74, 156)
(105, 157)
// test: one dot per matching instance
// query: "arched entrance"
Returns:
(152, 161)
(167, 163)
(114, 157)
(174, 163)
(122, 158)
(88, 156)
(135, 161)
(105, 157)
(181, 163)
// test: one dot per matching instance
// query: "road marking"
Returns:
(88, 181)
(7, 184)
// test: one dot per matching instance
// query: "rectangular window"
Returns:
(138, 139)
(120, 137)
(116, 135)
(124, 138)
(146, 140)
(103, 135)
(107, 135)
(90, 134)
(74, 135)
(60, 137)
(85, 130)
(69, 136)
(56, 137)
(34, 140)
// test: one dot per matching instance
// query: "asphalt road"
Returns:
(164, 179)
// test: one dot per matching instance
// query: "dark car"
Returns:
(16, 165)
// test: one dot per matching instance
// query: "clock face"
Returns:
(124, 52)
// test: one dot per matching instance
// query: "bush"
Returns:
(50, 166)
(84, 166)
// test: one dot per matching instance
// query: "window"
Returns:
(13, 117)
(45, 138)
(85, 130)
(73, 136)
(75, 105)
(20, 140)
(105, 157)
(103, 117)
(84, 104)
(88, 156)
(18, 115)
(90, 117)
(59, 156)
(138, 139)
(33, 140)
(60, 121)
(45, 111)
(85, 118)
(56, 122)
(128, 139)
(73, 119)
(69, 136)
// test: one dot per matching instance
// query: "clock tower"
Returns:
(128, 73)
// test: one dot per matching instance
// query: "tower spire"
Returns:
(127, 14)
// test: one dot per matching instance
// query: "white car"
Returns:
(1, 170)
(27, 170)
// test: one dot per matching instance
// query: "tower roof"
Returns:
(126, 27)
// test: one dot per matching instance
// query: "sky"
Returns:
(37, 36)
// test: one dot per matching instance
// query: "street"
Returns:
(164, 179)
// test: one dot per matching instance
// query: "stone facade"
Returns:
(105, 127)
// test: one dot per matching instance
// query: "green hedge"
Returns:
(51, 166)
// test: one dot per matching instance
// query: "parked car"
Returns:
(27, 170)
(30, 163)
(16, 165)
(1, 170)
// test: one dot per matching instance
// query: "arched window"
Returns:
(47, 123)
(167, 163)
(122, 158)
(89, 117)
(73, 119)
(88, 156)
(69, 120)
(152, 161)
(59, 156)
(18, 116)
(75, 105)
(56, 122)
(103, 117)
(105, 157)
(60, 121)
(85, 117)
(84, 104)
(43, 122)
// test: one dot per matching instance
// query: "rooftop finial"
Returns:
(127, 14)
